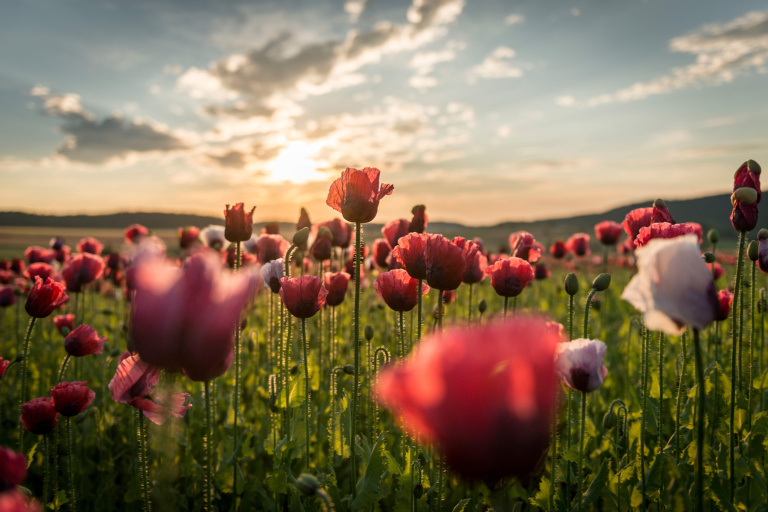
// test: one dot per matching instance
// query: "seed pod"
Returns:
(571, 284)
(368, 332)
(713, 236)
(300, 237)
(709, 257)
(482, 306)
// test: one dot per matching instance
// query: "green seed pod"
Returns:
(601, 282)
(482, 306)
(709, 257)
(368, 332)
(609, 420)
(752, 250)
(713, 236)
(300, 237)
(307, 484)
(571, 284)
(349, 369)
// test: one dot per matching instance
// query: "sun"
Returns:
(296, 163)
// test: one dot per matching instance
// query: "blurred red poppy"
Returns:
(380, 250)
(578, 244)
(44, 270)
(303, 296)
(558, 249)
(187, 236)
(82, 270)
(37, 254)
(356, 194)
(410, 253)
(336, 283)
(39, 416)
(476, 270)
(322, 247)
(420, 219)
(399, 290)
(509, 276)
(394, 230)
(724, 302)
(62, 322)
(271, 247)
(636, 219)
(662, 230)
(523, 245)
(13, 470)
(134, 233)
(83, 341)
(90, 245)
(7, 296)
(608, 232)
(238, 224)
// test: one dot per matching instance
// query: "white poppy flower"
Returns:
(579, 364)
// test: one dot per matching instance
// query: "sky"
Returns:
(484, 111)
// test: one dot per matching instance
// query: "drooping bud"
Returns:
(307, 484)
(300, 237)
(571, 284)
(19, 357)
(713, 236)
(368, 332)
(273, 404)
(709, 257)
(622, 444)
(602, 282)
(752, 249)
(348, 369)
(609, 420)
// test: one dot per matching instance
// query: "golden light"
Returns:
(295, 164)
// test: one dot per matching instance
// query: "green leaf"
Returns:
(598, 486)
(31, 454)
(371, 488)
(541, 498)
(460, 506)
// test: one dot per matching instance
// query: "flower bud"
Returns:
(418, 491)
(622, 444)
(300, 237)
(752, 167)
(601, 282)
(709, 257)
(571, 284)
(19, 357)
(307, 484)
(294, 369)
(482, 306)
(368, 332)
(349, 369)
(713, 236)
(752, 250)
(273, 404)
(659, 203)
(744, 195)
(609, 420)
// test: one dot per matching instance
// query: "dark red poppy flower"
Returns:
(337, 284)
(399, 290)
(187, 236)
(83, 341)
(578, 244)
(393, 263)
(134, 233)
(488, 411)
(6, 276)
(746, 196)
(37, 254)
(271, 247)
(662, 230)
(304, 221)
(322, 246)
(45, 297)
(64, 321)
(271, 228)
(62, 255)
(447, 261)
(380, 251)
(724, 302)
(13, 470)
(7, 296)
(72, 398)
(523, 245)
(39, 416)
(636, 219)
(410, 253)
(356, 194)
(90, 245)
(342, 233)
(540, 271)
(82, 270)
(303, 296)
(5, 265)
(719, 270)
(558, 249)
(510, 276)
(394, 230)
(4, 363)
(17, 266)
(238, 224)
(661, 213)
(449, 296)
(43, 270)
(476, 270)
(608, 232)
(420, 219)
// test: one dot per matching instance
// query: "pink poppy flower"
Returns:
(81, 270)
(356, 194)
(394, 230)
(509, 276)
(90, 245)
(303, 296)
(399, 290)
(608, 232)
(446, 261)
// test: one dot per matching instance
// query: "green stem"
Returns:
(402, 336)
(568, 408)
(207, 439)
(418, 323)
(699, 497)
(440, 310)
(63, 369)
(46, 471)
(735, 313)
(646, 342)
(72, 493)
(306, 388)
(553, 460)
(751, 350)
(236, 397)
(582, 440)
(506, 303)
(661, 411)
(469, 308)
(356, 338)
(592, 292)
(680, 387)
(24, 379)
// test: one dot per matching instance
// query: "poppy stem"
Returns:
(582, 441)
(307, 423)
(553, 459)
(751, 350)
(661, 412)
(418, 324)
(506, 303)
(352, 442)
(207, 440)
(440, 310)
(469, 308)
(63, 369)
(586, 312)
(24, 379)
(699, 499)
(680, 387)
(735, 314)
(72, 494)
(236, 393)
(402, 336)
(644, 414)
(46, 470)
(568, 408)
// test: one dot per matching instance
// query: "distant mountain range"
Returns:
(710, 212)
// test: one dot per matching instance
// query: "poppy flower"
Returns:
(238, 224)
(540, 271)
(488, 411)
(134, 383)
(272, 273)
(673, 287)
(380, 250)
(476, 270)
(271, 228)
(134, 233)
(6, 276)
(509, 276)
(446, 261)
(83, 341)
(4, 363)
(72, 398)
(322, 246)
(342, 233)
(13, 470)
(608, 232)
(356, 194)
(746, 196)
(762, 250)
(661, 213)
(410, 253)
(556, 328)
(636, 219)
(303, 221)
(62, 255)
(523, 245)
(578, 244)
(399, 290)
(213, 237)
(90, 245)
(17, 266)
(336, 283)
(724, 302)
(185, 318)
(39, 416)
(187, 236)
(45, 297)
(37, 254)
(7, 296)
(393, 263)
(62, 322)
(662, 230)
(394, 230)
(82, 270)
(271, 247)
(558, 250)
(44, 270)
(303, 296)
(420, 219)
(579, 364)
(449, 296)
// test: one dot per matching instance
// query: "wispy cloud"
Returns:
(514, 19)
(496, 65)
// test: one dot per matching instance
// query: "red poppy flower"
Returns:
(410, 253)
(394, 230)
(62, 255)
(39, 416)
(449, 296)
(420, 219)
(661, 213)
(695, 228)
(558, 249)
(37, 254)
(446, 261)
(724, 302)
(6, 276)
(636, 219)
(662, 230)
(238, 224)
(487, 410)
(356, 194)
(393, 263)
(187, 236)
(271, 247)
(540, 271)
(578, 244)
(134, 233)
(44, 270)
(523, 245)
(322, 246)
(746, 196)
(608, 232)
(90, 245)
(13, 470)
(303, 296)
(72, 398)
(719, 270)
(82, 270)
(304, 221)
(342, 233)
(336, 283)
(83, 341)
(17, 266)
(7, 296)
(476, 270)
(64, 321)
(510, 276)
(399, 290)
(45, 297)
(3, 366)
(380, 250)
(184, 319)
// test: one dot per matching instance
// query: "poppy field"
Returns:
(342, 368)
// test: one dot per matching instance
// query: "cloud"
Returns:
(354, 8)
(694, 153)
(95, 141)
(722, 52)
(423, 63)
(496, 65)
(514, 19)
(565, 100)
(504, 131)
(245, 154)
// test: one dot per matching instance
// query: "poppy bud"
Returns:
(294, 369)
(19, 357)
(571, 284)
(300, 237)
(273, 404)
(609, 420)
(307, 484)
(348, 369)
(622, 444)
(752, 167)
(418, 490)
(752, 250)
(602, 282)
(238, 223)
(713, 236)
(368, 332)
(482, 306)
(709, 257)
